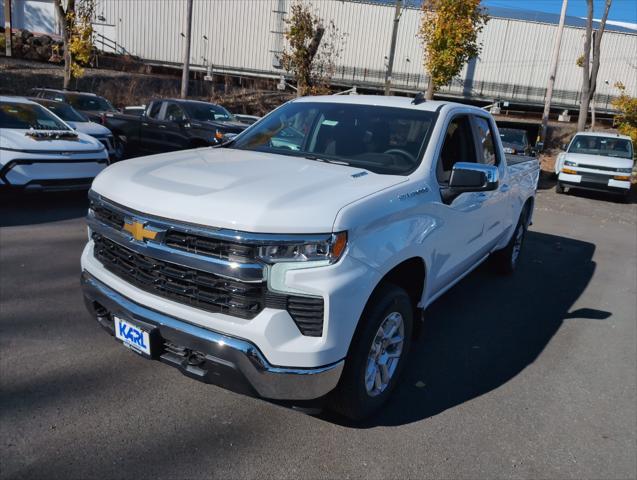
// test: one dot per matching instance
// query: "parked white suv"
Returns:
(39, 151)
(596, 161)
(294, 262)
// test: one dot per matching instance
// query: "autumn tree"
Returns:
(590, 67)
(449, 31)
(626, 120)
(77, 33)
(313, 48)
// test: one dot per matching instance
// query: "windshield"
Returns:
(207, 111)
(90, 103)
(512, 135)
(66, 112)
(25, 116)
(384, 140)
(605, 146)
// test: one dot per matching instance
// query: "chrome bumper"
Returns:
(210, 356)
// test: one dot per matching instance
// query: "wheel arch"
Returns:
(410, 274)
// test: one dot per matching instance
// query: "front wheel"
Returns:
(559, 188)
(377, 354)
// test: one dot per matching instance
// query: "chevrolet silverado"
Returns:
(297, 267)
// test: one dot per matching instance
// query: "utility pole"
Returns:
(185, 75)
(392, 48)
(593, 93)
(7, 27)
(554, 61)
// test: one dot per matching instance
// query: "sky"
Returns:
(620, 10)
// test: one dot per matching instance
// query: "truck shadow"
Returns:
(489, 328)
(18, 209)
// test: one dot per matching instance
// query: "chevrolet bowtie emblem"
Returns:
(139, 233)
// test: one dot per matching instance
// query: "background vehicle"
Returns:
(515, 141)
(596, 161)
(38, 151)
(93, 106)
(247, 119)
(301, 274)
(173, 124)
(81, 123)
(137, 110)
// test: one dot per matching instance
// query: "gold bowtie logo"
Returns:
(139, 233)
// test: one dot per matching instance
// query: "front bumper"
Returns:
(51, 172)
(594, 181)
(208, 356)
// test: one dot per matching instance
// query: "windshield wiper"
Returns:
(326, 160)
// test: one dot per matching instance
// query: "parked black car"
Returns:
(516, 141)
(173, 124)
(91, 105)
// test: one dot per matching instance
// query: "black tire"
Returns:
(506, 260)
(120, 149)
(559, 188)
(351, 397)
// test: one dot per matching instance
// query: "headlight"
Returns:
(624, 170)
(330, 249)
(568, 163)
(509, 150)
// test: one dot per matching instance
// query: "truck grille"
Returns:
(201, 245)
(202, 289)
(191, 287)
(597, 167)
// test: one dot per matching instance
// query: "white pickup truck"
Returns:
(596, 161)
(294, 262)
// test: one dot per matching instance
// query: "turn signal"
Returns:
(568, 170)
(622, 177)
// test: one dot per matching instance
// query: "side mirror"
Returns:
(470, 177)
(539, 146)
(564, 146)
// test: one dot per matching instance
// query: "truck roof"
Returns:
(603, 134)
(7, 98)
(180, 100)
(64, 91)
(384, 101)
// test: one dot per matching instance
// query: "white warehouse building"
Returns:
(246, 36)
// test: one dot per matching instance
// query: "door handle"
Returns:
(162, 126)
(144, 124)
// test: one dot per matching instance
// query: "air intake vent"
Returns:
(307, 313)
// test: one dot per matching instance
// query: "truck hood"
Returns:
(90, 128)
(226, 126)
(18, 140)
(599, 160)
(239, 189)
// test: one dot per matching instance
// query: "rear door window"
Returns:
(487, 153)
(154, 110)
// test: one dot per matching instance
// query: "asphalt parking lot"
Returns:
(530, 376)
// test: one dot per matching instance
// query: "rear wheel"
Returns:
(506, 260)
(377, 354)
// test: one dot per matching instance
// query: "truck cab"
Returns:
(168, 125)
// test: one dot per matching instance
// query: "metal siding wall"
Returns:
(243, 36)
